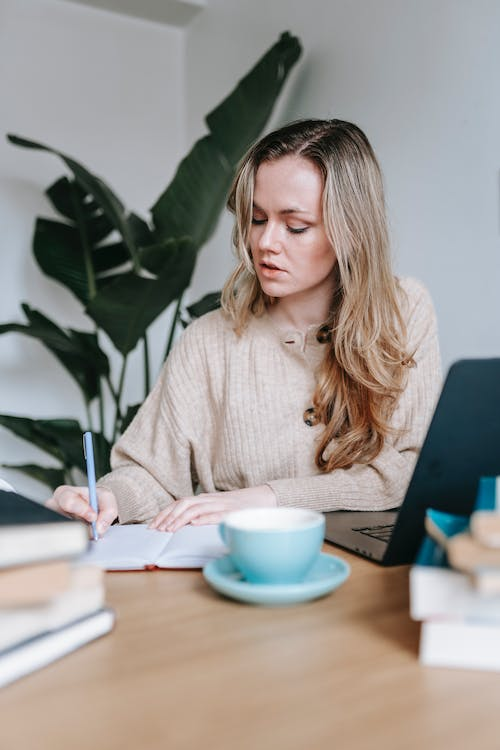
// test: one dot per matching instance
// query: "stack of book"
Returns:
(455, 585)
(50, 604)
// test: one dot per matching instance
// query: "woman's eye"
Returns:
(297, 230)
(258, 222)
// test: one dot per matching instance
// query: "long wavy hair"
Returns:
(364, 367)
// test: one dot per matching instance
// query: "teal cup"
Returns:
(273, 545)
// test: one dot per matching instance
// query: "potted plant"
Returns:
(123, 284)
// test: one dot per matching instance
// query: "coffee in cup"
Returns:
(273, 545)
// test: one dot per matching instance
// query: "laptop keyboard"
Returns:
(383, 532)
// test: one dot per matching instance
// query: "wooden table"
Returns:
(186, 668)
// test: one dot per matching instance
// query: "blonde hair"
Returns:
(364, 367)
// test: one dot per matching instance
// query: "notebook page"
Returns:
(192, 547)
(130, 547)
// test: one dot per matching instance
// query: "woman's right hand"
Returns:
(74, 502)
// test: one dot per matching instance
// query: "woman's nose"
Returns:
(270, 239)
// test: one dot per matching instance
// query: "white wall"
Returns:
(421, 77)
(107, 90)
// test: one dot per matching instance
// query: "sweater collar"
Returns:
(291, 338)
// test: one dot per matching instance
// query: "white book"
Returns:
(466, 645)
(443, 592)
(36, 653)
(20, 623)
(135, 547)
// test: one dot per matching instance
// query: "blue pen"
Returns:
(88, 452)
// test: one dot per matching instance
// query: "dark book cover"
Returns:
(16, 509)
(31, 532)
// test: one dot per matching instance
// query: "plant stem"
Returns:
(147, 381)
(101, 407)
(87, 250)
(114, 394)
(130, 245)
(173, 327)
(89, 416)
(101, 394)
(118, 397)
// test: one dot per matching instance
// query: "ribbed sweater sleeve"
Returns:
(151, 463)
(382, 483)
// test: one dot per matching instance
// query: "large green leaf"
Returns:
(238, 120)
(207, 303)
(107, 258)
(102, 449)
(62, 195)
(59, 254)
(48, 475)
(103, 195)
(72, 251)
(78, 351)
(61, 438)
(58, 250)
(128, 305)
(192, 202)
(155, 257)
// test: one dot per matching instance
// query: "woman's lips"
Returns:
(270, 269)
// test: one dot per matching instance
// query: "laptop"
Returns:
(462, 444)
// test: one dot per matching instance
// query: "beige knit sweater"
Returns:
(227, 413)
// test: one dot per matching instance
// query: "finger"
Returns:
(193, 512)
(53, 505)
(175, 520)
(74, 501)
(208, 518)
(108, 510)
(161, 516)
(104, 521)
(170, 514)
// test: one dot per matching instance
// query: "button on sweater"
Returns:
(227, 412)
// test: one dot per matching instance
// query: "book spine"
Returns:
(39, 652)
(446, 593)
(460, 645)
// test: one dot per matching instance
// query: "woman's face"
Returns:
(291, 252)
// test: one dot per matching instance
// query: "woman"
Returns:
(314, 384)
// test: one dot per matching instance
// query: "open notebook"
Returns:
(135, 547)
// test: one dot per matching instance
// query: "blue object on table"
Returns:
(432, 551)
(88, 452)
(431, 554)
(486, 494)
(327, 573)
(447, 523)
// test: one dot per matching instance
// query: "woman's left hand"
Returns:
(211, 507)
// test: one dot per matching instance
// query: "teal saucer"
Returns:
(327, 573)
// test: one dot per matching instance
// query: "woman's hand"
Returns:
(74, 502)
(211, 507)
